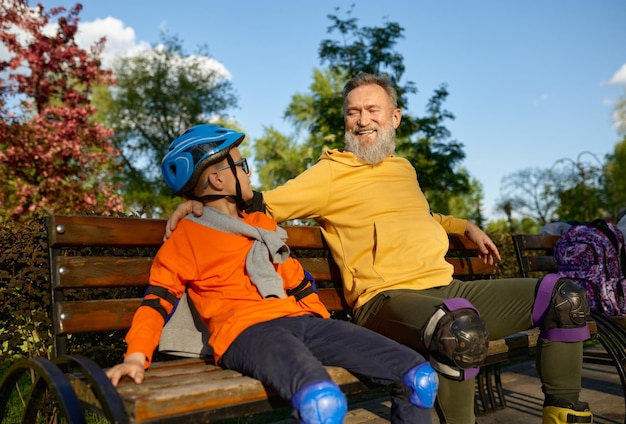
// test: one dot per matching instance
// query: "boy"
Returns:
(264, 319)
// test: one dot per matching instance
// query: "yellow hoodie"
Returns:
(376, 221)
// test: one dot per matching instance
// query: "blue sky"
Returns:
(530, 81)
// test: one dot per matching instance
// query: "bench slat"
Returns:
(77, 230)
(88, 316)
(471, 268)
(101, 315)
(202, 389)
(100, 272)
(543, 264)
(108, 272)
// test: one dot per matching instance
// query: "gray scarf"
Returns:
(267, 244)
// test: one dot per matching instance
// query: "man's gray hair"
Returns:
(363, 78)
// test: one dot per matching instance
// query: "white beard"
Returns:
(384, 145)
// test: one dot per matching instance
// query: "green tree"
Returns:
(281, 159)
(423, 141)
(615, 163)
(469, 205)
(530, 192)
(53, 155)
(581, 188)
(615, 177)
(160, 93)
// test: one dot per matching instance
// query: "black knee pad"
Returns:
(457, 339)
(561, 309)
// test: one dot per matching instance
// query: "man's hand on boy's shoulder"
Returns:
(184, 209)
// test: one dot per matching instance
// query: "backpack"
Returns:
(593, 255)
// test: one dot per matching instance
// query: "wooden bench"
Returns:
(98, 270)
(535, 257)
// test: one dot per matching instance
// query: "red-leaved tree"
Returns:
(53, 156)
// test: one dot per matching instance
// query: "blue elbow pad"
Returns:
(309, 277)
(424, 382)
(320, 403)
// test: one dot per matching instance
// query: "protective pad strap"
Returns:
(459, 303)
(543, 297)
(164, 294)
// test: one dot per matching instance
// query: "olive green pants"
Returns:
(506, 307)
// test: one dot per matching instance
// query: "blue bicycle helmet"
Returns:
(194, 150)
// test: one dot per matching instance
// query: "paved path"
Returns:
(601, 388)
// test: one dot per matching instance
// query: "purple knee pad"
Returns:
(561, 310)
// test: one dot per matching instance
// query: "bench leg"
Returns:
(489, 393)
(481, 405)
(494, 384)
(613, 339)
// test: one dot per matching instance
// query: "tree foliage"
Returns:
(53, 156)
(570, 190)
(615, 177)
(424, 141)
(530, 192)
(160, 93)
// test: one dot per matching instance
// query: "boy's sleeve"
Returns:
(166, 286)
(145, 332)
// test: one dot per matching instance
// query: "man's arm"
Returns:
(184, 209)
(255, 204)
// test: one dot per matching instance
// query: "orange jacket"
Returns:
(211, 264)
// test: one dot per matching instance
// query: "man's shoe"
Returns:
(562, 411)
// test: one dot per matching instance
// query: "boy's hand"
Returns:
(133, 367)
(184, 209)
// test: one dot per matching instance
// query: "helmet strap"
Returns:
(241, 204)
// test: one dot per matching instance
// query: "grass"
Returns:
(48, 413)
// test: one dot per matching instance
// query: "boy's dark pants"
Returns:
(288, 354)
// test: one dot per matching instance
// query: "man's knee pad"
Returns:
(561, 309)
(320, 403)
(423, 380)
(457, 339)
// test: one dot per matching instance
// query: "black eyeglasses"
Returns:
(243, 163)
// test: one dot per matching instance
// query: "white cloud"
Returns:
(120, 40)
(541, 99)
(619, 78)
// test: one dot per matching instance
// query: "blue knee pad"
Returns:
(320, 403)
(423, 380)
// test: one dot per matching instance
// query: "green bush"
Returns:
(25, 325)
(25, 293)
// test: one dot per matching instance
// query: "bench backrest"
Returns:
(94, 252)
(534, 253)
